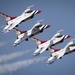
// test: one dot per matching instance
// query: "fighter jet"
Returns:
(69, 48)
(24, 35)
(44, 45)
(16, 20)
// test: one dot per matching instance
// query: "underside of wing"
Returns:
(36, 40)
(53, 49)
(7, 17)
(18, 32)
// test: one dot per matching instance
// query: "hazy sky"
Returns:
(60, 14)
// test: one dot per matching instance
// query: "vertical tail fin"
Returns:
(67, 36)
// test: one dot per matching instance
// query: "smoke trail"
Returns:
(3, 43)
(2, 26)
(6, 57)
(20, 64)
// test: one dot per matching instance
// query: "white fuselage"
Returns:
(56, 40)
(34, 31)
(19, 39)
(61, 53)
(26, 35)
(44, 46)
(18, 20)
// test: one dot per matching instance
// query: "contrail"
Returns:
(6, 57)
(6, 68)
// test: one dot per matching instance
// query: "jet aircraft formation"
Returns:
(42, 45)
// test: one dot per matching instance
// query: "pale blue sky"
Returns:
(60, 14)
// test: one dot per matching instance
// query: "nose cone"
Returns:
(5, 31)
(47, 62)
(35, 54)
(14, 45)
(38, 11)
(68, 36)
(47, 26)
